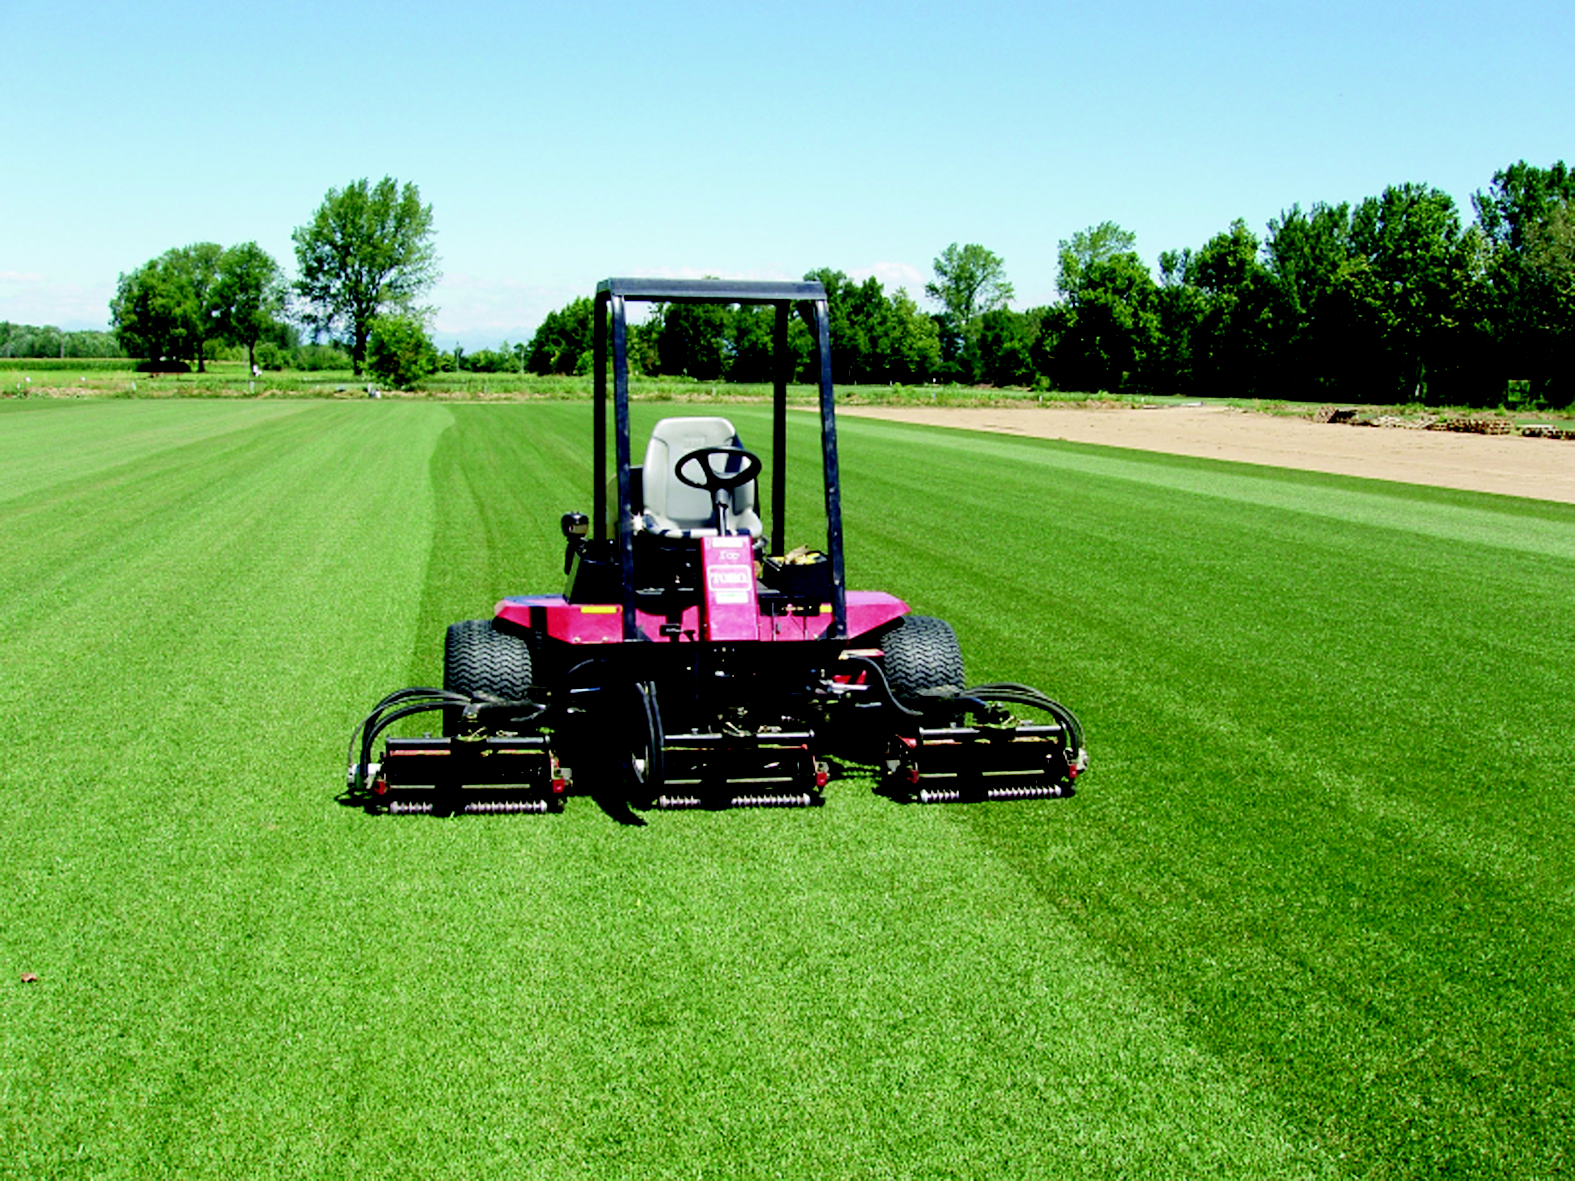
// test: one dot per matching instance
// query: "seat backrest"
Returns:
(672, 508)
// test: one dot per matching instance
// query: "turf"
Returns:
(1309, 915)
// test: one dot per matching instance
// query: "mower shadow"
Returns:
(617, 807)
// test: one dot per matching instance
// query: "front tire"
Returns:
(479, 659)
(921, 655)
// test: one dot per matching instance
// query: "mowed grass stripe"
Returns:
(508, 473)
(169, 728)
(42, 442)
(97, 511)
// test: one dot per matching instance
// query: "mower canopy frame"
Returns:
(611, 327)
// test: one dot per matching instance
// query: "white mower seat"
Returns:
(672, 508)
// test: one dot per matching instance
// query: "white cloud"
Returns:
(27, 297)
(893, 275)
(475, 307)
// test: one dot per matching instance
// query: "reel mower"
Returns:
(694, 661)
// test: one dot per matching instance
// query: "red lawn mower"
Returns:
(693, 661)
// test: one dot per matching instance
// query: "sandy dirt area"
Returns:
(1508, 464)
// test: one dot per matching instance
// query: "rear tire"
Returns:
(477, 658)
(921, 654)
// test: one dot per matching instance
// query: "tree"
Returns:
(1006, 342)
(563, 340)
(250, 296)
(1309, 257)
(1550, 252)
(915, 341)
(1410, 282)
(1520, 198)
(855, 315)
(1232, 337)
(751, 334)
(693, 339)
(1108, 337)
(875, 339)
(368, 250)
(1181, 306)
(969, 281)
(1086, 248)
(1523, 217)
(399, 351)
(28, 340)
(491, 360)
(168, 308)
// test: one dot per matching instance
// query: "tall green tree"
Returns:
(1524, 216)
(399, 351)
(1550, 253)
(876, 338)
(367, 250)
(1114, 334)
(1086, 248)
(1309, 257)
(1180, 306)
(916, 341)
(969, 281)
(28, 340)
(751, 330)
(1006, 346)
(562, 342)
(1410, 281)
(1108, 338)
(1235, 330)
(861, 335)
(168, 308)
(693, 339)
(251, 296)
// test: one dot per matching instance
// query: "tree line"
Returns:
(1396, 298)
(29, 340)
(1392, 299)
(363, 261)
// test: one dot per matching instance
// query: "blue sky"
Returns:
(561, 143)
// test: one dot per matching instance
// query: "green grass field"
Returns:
(1310, 914)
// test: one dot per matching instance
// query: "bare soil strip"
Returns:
(1542, 469)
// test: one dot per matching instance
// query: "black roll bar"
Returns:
(809, 299)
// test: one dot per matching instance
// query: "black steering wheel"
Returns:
(714, 480)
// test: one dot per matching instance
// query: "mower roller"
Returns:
(691, 660)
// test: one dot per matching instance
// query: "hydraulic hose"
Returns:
(405, 703)
(886, 695)
(1004, 692)
(1007, 691)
